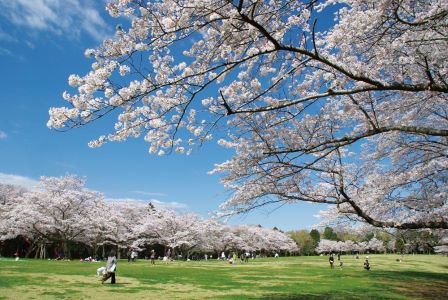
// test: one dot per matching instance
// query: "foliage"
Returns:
(329, 234)
(315, 235)
(304, 241)
(422, 241)
(399, 246)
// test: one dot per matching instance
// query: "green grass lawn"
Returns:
(416, 277)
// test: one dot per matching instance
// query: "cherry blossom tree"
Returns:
(442, 247)
(272, 240)
(351, 114)
(62, 212)
(223, 238)
(376, 245)
(10, 196)
(187, 233)
(328, 246)
(59, 210)
(123, 219)
(181, 232)
(249, 238)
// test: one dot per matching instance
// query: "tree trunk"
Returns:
(66, 249)
(30, 250)
(41, 251)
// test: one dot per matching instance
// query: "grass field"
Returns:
(416, 277)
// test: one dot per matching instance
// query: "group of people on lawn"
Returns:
(341, 263)
(111, 266)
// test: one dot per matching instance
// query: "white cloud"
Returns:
(6, 37)
(30, 44)
(157, 203)
(19, 180)
(149, 193)
(3, 134)
(6, 52)
(61, 17)
(168, 205)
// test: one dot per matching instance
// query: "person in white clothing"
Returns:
(111, 268)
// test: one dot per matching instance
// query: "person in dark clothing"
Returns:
(331, 260)
(367, 264)
(246, 256)
(111, 268)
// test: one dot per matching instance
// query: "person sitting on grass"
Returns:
(367, 264)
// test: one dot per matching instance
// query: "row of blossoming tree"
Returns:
(365, 238)
(61, 211)
(342, 102)
(329, 246)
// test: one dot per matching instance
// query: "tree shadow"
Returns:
(412, 284)
(409, 275)
(423, 285)
(322, 296)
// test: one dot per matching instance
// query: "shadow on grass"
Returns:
(322, 296)
(384, 285)
(421, 285)
(409, 275)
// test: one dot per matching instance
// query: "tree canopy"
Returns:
(352, 114)
(61, 212)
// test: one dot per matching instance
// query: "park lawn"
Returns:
(415, 277)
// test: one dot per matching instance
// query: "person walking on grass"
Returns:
(134, 255)
(167, 256)
(111, 268)
(331, 260)
(152, 256)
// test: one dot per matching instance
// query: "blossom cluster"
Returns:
(353, 115)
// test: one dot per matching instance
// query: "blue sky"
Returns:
(41, 44)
